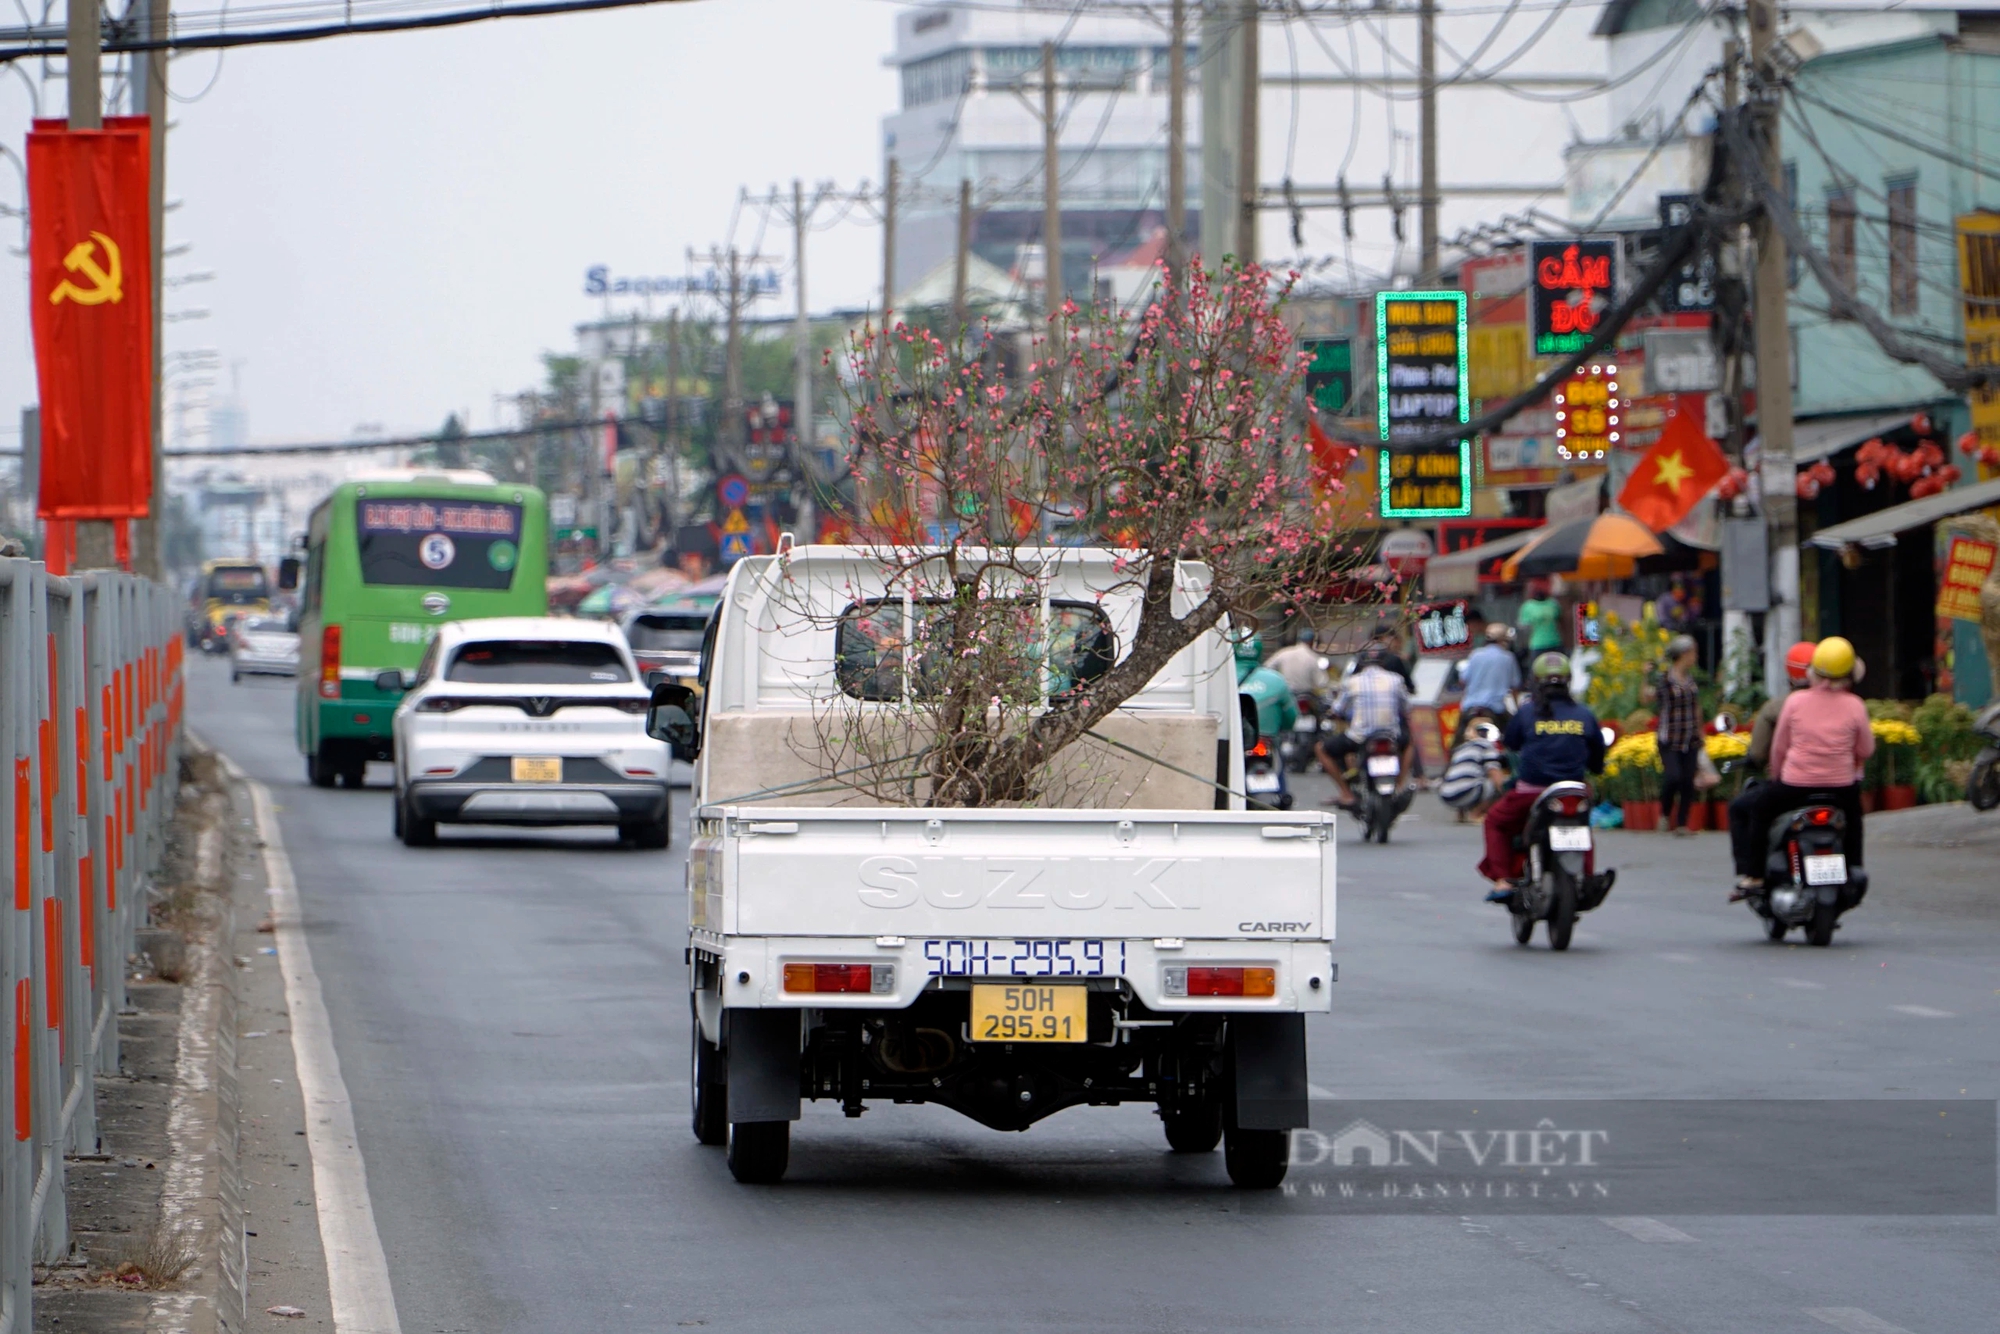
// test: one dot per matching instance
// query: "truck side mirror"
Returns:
(389, 681)
(671, 718)
(1248, 708)
(288, 574)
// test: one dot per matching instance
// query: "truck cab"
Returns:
(1141, 936)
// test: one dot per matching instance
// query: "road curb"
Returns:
(201, 1196)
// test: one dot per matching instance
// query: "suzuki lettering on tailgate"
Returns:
(1076, 883)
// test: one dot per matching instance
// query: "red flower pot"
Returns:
(1697, 816)
(1642, 816)
(1718, 816)
(1871, 800)
(1898, 797)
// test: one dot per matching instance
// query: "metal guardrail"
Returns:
(90, 713)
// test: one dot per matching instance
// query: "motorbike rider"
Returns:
(1277, 710)
(1817, 749)
(1301, 665)
(1746, 832)
(1554, 740)
(1490, 677)
(1373, 698)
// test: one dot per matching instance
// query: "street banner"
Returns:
(1421, 389)
(1979, 284)
(1682, 466)
(90, 258)
(1574, 282)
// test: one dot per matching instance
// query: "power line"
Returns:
(215, 41)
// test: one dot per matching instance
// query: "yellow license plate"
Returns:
(537, 769)
(1029, 1012)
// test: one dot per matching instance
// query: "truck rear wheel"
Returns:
(1195, 1128)
(759, 1151)
(1256, 1159)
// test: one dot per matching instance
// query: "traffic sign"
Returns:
(732, 489)
(735, 546)
(734, 522)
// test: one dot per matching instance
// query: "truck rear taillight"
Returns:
(1220, 981)
(877, 979)
(329, 662)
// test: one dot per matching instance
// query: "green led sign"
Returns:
(1421, 389)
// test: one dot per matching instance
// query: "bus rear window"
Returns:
(238, 584)
(529, 662)
(413, 542)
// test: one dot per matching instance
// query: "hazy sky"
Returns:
(399, 225)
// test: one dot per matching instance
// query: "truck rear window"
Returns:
(413, 542)
(871, 655)
(529, 662)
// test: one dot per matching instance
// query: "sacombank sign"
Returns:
(598, 280)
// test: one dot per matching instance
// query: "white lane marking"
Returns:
(1676, 958)
(357, 1271)
(1801, 984)
(1923, 1012)
(1322, 1093)
(1647, 1229)
(1414, 895)
(1853, 1320)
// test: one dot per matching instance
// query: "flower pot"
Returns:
(1871, 800)
(1697, 816)
(1898, 797)
(1718, 816)
(1642, 815)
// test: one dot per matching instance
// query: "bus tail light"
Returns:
(1220, 981)
(329, 662)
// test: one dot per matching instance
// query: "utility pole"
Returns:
(1246, 130)
(889, 188)
(1774, 362)
(802, 372)
(94, 546)
(149, 97)
(1177, 147)
(1428, 134)
(961, 315)
(1052, 274)
(730, 428)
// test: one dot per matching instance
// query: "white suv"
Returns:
(529, 721)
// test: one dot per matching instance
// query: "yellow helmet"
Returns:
(1834, 658)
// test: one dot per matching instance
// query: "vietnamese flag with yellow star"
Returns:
(1682, 466)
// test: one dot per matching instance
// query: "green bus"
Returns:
(389, 559)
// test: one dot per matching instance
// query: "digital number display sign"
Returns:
(1588, 414)
(1421, 389)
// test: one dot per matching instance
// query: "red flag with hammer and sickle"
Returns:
(90, 264)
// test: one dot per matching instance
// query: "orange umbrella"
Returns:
(1606, 547)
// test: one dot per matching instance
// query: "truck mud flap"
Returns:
(1268, 1071)
(761, 1048)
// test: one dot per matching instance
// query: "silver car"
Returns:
(262, 646)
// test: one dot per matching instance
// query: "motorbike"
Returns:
(1298, 746)
(1808, 881)
(1982, 789)
(1264, 778)
(1380, 787)
(1558, 886)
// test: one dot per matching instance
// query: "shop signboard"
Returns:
(1422, 390)
(1572, 285)
(1979, 283)
(1587, 414)
(1442, 628)
(1329, 374)
(1965, 569)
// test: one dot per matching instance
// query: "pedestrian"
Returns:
(1679, 728)
(1540, 622)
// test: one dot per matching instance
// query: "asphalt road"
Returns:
(510, 1015)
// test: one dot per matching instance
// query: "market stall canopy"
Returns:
(1457, 573)
(1880, 528)
(1606, 547)
(1823, 437)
